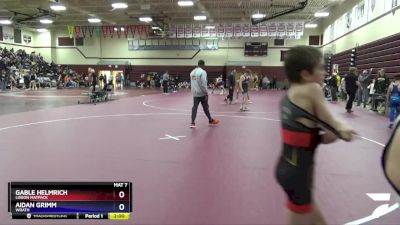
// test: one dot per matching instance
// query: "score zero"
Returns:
(121, 194)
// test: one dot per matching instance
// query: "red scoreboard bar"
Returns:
(70, 200)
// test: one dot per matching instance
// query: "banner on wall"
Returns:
(229, 30)
(27, 39)
(220, 30)
(290, 32)
(188, 31)
(299, 29)
(263, 30)
(77, 31)
(360, 14)
(238, 30)
(390, 5)
(375, 8)
(180, 31)
(197, 31)
(84, 31)
(348, 21)
(126, 30)
(213, 32)
(255, 30)
(98, 31)
(395, 3)
(70, 31)
(246, 30)
(272, 30)
(118, 31)
(204, 31)
(172, 31)
(281, 30)
(133, 30)
(8, 37)
(104, 30)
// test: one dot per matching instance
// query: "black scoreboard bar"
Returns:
(70, 200)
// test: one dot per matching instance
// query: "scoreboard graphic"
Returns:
(256, 49)
(70, 200)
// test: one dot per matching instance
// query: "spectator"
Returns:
(352, 83)
(333, 87)
(165, 82)
(273, 83)
(365, 80)
(381, 85)
(371, 90)
(33, 85)
(265, 82)
(230, 83)
(3, 83)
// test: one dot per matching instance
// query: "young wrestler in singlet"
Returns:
(244, 84)
(393, 99)
(304, 116)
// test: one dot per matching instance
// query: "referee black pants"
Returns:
(204, 102)
(230, 95)
(165, 86)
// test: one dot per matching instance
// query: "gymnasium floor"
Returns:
(207, 175)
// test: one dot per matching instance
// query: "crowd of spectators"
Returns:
(370, 90)
(21, 70)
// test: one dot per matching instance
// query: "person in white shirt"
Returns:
(198, 79)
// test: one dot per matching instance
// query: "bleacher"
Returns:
(381, 54)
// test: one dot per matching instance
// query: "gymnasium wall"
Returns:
(10, 43)
(379, 27)
(99, 49)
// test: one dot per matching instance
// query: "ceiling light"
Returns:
(258, 16)
(210, 27)
(42, 30)
(58, 7)
(119, 5)
(321, 14)
(94, 20)
(145, 19)
(185, 3)
(156, 28)
(200, 18)
(311, 25)
(5, 22)
(46, 21)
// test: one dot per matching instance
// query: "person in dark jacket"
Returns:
(365, 80)
(352, 84)
(381, 85)
(332, 83)
(230, 84)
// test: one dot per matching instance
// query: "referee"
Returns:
(198, 79)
